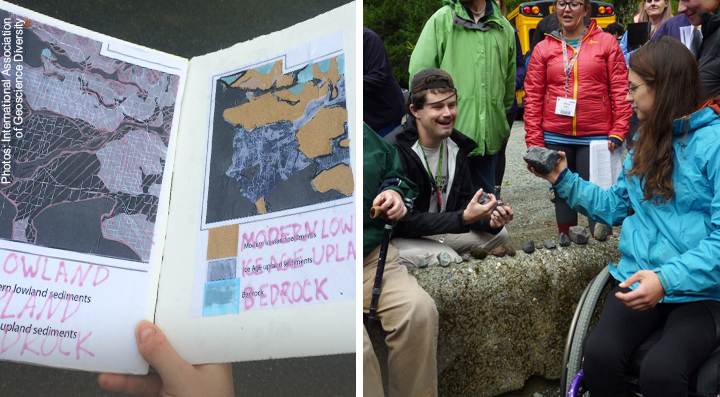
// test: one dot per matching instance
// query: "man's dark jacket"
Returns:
(709, 56)
(421, 222)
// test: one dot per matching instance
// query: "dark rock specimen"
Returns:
(542, 159)
(549, 244)
(564, 240)
(579, 235)
(484, 198)
(528, 247)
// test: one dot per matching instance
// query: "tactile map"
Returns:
(279, 139)
(91, 150)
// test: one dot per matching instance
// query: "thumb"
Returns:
(631, 280)
(477, 195)
(157, 351)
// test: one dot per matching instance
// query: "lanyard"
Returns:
(568, 66)
(436, 183)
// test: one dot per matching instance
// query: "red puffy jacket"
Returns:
(598, 82)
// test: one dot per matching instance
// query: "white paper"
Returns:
(604, 166)
(84, 206)
(691, 37)
(271, 324)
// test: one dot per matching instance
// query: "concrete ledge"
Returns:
(505, 319)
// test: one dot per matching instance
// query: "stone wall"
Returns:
(505, 319)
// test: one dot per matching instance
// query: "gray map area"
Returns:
(86, 174)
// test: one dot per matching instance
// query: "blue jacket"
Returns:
(680, 239)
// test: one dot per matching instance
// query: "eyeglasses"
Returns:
(653, 1)
(574, 5)
(632, 88)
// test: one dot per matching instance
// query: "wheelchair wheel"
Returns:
(572, 357)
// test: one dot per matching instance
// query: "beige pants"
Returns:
(414, 250)
(408, 315)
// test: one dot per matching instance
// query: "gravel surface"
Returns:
(528, 195)
(537, 387)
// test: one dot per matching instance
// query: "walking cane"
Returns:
(376, 212)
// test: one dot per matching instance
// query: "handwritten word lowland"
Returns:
(326, 228)
(49, 269)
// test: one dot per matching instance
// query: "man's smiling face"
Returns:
(693, 9)
(436, 119)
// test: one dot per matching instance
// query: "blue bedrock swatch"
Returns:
(221, 297)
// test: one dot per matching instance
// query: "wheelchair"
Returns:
(704, 382)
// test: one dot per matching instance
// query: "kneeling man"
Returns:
(447, 215)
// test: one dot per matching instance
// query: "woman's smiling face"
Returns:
(655, 8)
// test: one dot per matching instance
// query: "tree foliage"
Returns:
(399, 23)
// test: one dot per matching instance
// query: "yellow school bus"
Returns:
(526, 17)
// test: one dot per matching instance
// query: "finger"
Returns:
(562, 154)
(396, 212)
(630, 280)
(531, 169)
(639, 304)
(378, 199)
(157, 351)
(477, 195)
(492, 203)
(389, 204)
(145, 385)
(635, 299)
(509, 210)
(627, 296)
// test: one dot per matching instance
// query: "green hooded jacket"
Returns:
(381, 163)
(480, 57)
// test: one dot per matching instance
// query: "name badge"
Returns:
(565, 107)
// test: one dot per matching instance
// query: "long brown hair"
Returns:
(672, 76)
